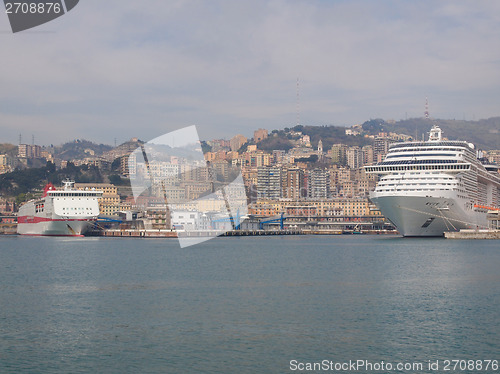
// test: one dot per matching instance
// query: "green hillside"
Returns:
(9, 149)
(485, 133)
(79, 149)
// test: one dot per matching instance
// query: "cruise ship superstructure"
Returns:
(66, 212)
(429, 187)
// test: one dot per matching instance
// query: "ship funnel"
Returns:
(68, 184)
(436, 134)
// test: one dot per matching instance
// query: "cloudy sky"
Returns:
(119, 68)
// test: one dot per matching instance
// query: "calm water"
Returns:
(244, 305)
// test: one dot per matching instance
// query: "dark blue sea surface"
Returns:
(245, 305)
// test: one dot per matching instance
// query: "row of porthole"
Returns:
(73, 208)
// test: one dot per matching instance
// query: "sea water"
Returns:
(247, 305)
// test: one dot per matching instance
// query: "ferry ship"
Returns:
(430, 187)
(66, 212)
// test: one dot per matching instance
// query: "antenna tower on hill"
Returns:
(298, 103)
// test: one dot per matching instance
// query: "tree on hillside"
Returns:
(275, 143)
(373, 126)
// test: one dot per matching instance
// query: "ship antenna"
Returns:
(426, 112)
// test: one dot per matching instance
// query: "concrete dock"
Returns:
(133, 233)
(473, 234)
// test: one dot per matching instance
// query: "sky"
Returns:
(118, 69)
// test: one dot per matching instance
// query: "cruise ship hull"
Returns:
(431, 187)
(427, 216)
(54, 227)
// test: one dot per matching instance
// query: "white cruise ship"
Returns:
(427, 188)
(66, 212)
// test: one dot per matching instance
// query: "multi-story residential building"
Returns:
(494, 157)
(219, 144)
(380, 148)
(334, 180)
(305, 141)
(29, 151)
(265, 208)
(6, 206)
(109, 204)
(278, 156)
(47, 155)
(122, 150)
(237, 141)
(293, 186)
(201, 205)
(195, 189)
(233, 155)
(351, 182)
(268, 182)
(128, 165)
(220, 169)
(337, 207)
(24, 151)
(7, 164)
(163, 173)
(262, 158)
(257, 158)
(210, 156)
(318, 183)
(302, 152)
(173, 194)
(259, 135)
(220, 155)
(349, 189)
(103, 164)
(249, 176)
(365, 182)
(338, 154)
(354, 157)
(368, 157)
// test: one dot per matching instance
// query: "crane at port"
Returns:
(281, 220)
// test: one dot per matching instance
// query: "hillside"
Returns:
(329, 135)
(22, 181)
(9, 149)
(485, 133)
(79, 149)
(122, 150)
